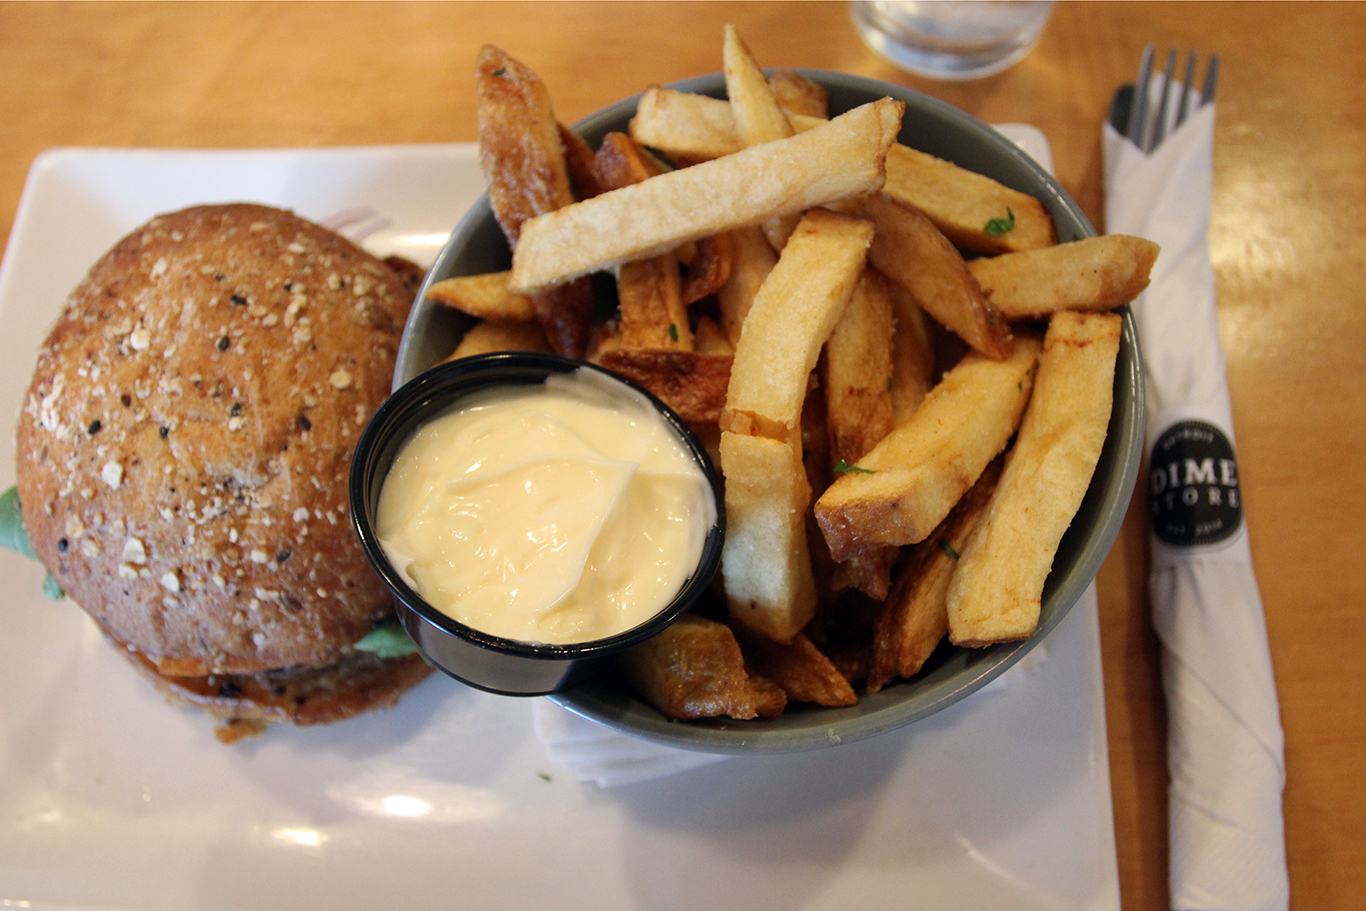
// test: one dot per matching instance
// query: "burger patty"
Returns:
(183, 453)
(301, 695)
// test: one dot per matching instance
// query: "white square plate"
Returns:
(109, 798)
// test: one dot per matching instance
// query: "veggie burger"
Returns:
(183, 456)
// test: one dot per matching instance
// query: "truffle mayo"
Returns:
(559, 513)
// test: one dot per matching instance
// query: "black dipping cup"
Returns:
(505, 666)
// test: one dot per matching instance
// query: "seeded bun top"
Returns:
(184, 449)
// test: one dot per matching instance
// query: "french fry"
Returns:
(520, 151)
(903, 489)
(649, 291)
(652, 311)
(913, 253)
(1095, 274)
(765, 561)
(996, 591)
(914, 618)
(565, 313)
(752, 258)
(497, 335)
(856, 371)
(620, 161)
(707, 270)
(522, 157)
(799, 95)
(960, 203)
(694, 669)
(798, 668)
(839, 160)
(913, 356)
(758, 117)
(485, 296)
(604, 338)
(972, 210)
(579, 161)
(687, 128)
(856, 376)
(709, 339)
(690, 382)
(792, 316)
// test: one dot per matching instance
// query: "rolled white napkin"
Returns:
(605, 757)
(1225, 744)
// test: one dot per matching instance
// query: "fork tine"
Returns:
(1148, 127)
(1160, 123)
(1211, 79)
(1183, 105)
(1138, 111)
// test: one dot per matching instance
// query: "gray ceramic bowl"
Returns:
(476, 245)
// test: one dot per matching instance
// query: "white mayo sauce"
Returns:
(559, 513)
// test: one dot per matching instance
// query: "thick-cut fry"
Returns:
(839, 160)
(751, 260)
(856, 375)
(565, 312)
(694, 669)
(996, 592)
(791, 318)
(709, 339)
(856, 371)
(497, 335)
(1095, 274)
(912, 252)
(906, 486)
(579, 160)
(912, 356)
(485, 296)
(799, 95)
(522, 157)
(914, 617)
(708, 268)
(649, 291)
(620, 162)
(652, 311)
(758, 117)
(765, 561)
(971, 209)
(690, 382)
(687, 128)
(520, 151)
(798, 667)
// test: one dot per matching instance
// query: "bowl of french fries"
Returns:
(908, 352)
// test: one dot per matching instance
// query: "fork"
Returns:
(1131, 114)
(356, 223)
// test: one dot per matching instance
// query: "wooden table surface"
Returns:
(1289, 185)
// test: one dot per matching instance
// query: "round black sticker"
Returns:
(1193, 485)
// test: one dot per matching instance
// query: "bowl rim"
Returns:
(1106, 507)
(436, 390)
